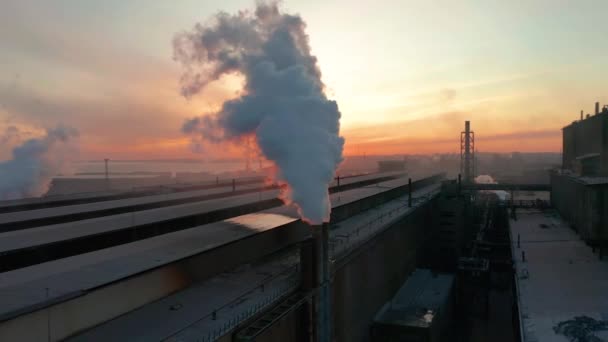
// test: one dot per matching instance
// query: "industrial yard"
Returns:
(303, 171)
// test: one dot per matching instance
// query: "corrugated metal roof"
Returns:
(418, 300)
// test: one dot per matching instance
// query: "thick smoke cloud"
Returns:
(35, 162)
(283, 103)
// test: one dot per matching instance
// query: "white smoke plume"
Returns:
(487, 179)
(283, 103)
(35, 162)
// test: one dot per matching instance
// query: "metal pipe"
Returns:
(322, 310)
(326, 288)
(106, 167)
(409, 190)
(518, 240)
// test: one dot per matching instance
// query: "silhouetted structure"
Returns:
(586, 144)
(467, 153)
(580, 189)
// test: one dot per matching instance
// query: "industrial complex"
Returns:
(403, 258)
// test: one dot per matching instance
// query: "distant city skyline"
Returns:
(405, 74)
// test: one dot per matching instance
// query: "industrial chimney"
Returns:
(582, 115)
(597, 108)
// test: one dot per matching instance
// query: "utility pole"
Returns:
(107, 173)
(106, 165)
(409, 191)
(321, 236)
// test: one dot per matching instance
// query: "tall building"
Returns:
(586, 144)
(579, 191)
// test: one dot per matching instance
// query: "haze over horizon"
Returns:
(519, 72)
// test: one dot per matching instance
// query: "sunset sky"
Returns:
(406, 74)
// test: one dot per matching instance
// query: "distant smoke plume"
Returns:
(487, 179)
(35, 162)
(283, 103)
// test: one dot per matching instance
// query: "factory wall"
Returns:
(292, 327)
(585, 207)
(364, 280)
(367, 277)
(584, 137)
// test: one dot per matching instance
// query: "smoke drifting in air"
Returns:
(283, 103)
(487, 179)
(35, 162)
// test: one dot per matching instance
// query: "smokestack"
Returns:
(322, 309)
(283, 103)
(409, 191)
(582, 115)
(597, 108)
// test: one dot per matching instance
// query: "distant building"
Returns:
(586, 144)
(579, 191)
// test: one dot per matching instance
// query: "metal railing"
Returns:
(358, 236)
(338, 245)
(252, 309)
(293, 281)
(537, 203)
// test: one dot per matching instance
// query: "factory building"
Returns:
(586, 144)
(579, 190)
